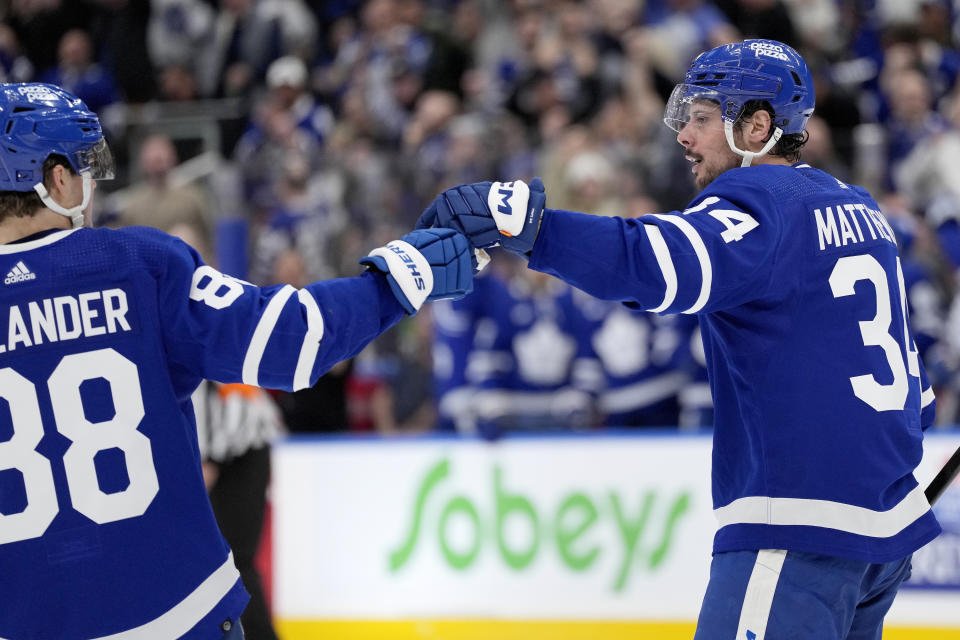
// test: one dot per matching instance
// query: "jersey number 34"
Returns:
(876, 333)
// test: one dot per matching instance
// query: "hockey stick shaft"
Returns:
(943, 478)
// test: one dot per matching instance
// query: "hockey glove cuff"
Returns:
(426, 264)
(518, 211)
(488, 214)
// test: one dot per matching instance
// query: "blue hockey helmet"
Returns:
(731, 75)
(39, 120)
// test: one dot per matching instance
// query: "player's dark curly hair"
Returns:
(23, 204)
(789, 145)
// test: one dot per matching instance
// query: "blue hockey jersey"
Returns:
(105, 527)
(820, 398)
(642, 359)
(514, 355)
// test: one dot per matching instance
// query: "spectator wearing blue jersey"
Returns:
(79, 73)
(912, 116)
(178, 31)
(105, 525)
(820, 398)
(248, 35)
(679, 28)
(264, 152)
(14, 66)
(307, 216)
(288, 90)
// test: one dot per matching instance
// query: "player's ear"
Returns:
(759, 127)
(59, 175)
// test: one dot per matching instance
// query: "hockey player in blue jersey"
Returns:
(105, 526)
(643, 362)
(820, 398)
(515, 355)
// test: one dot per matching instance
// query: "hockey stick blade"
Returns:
(943, 478)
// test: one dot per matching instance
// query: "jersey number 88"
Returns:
(87, 440)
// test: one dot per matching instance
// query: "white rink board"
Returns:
(612, 527)
(937, 565)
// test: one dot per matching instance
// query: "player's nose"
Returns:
(684, 136)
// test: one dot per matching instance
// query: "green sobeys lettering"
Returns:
(459, 561)
(568, 533)
(437, 473)
(645, 535)
(520, 505)
(629, 534)
(677, 509)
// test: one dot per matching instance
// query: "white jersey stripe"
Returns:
(643, 393)
(699, 248)
(758, 600)
(826, 514)
(21, 247)
(492, 403)
(927, 398)
(258, 343)
(311, 341)
(484, 364)
(189, 611)
(662, 254)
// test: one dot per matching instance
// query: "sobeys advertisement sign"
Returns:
(562, 527)
(564, 530)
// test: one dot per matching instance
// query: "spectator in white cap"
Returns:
(287, 80)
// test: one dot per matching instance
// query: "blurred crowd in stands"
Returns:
(286, 138)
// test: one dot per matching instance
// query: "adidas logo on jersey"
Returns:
(19, 273)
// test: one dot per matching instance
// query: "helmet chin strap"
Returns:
(748, 156)
(74, 213)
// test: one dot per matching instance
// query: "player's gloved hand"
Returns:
(504, 213)
(426, 264)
